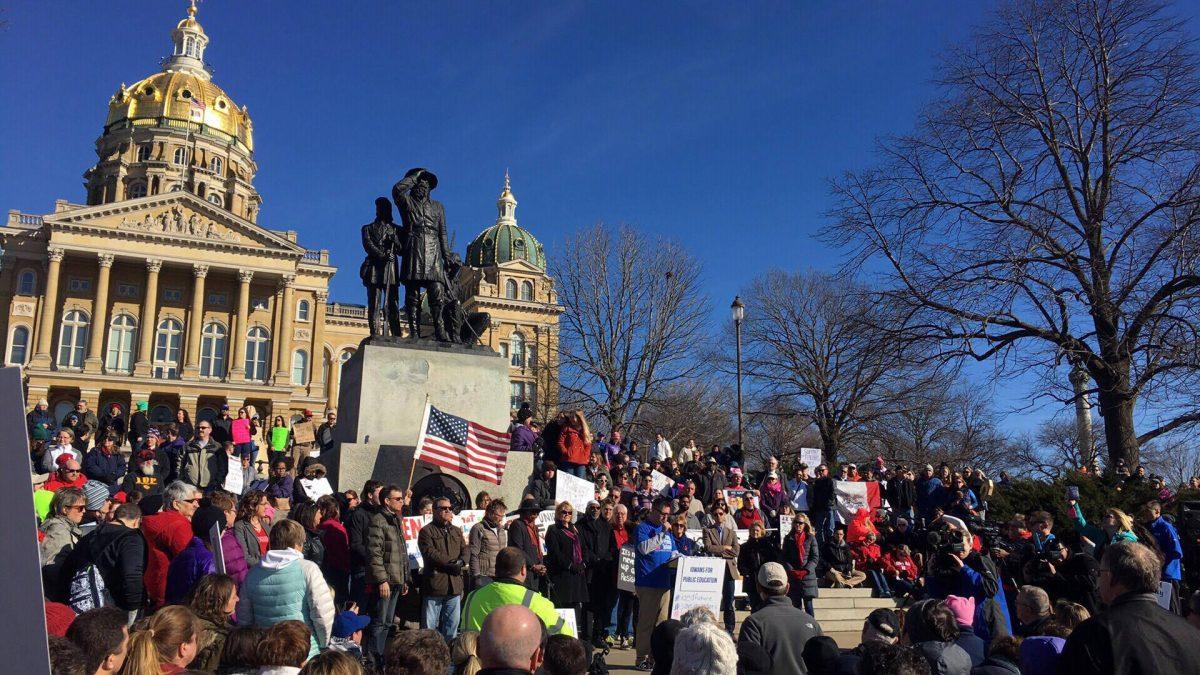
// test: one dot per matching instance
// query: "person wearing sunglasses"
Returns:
(61, 532)
(443, 550)
(168, 533)
(564, 564)
(68, 474)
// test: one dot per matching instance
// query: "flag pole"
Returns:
(420, 442)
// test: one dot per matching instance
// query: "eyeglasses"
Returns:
(194, 500)
(70, 470)
(77, 507)
(445, 508)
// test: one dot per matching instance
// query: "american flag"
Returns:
(461, 445)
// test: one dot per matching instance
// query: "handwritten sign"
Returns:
(811, 457)
(660, 482)
(570, 626)
(302, 432)
(412, 528)
(315, 488)
(698, 583)
(575, 491)
(235, 479)
(626, 569)
(785, 526)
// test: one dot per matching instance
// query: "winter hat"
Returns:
(96, 493)
(41, 433)
(881, 626)
(821, 655)
(1039, 655)
(62, 459)
(205, 518)
(59, 618)
(347, 623)
(146, 456)
(42, 401)
(963, 609)
(142, 406)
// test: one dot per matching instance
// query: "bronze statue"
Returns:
(464, 327)
(381, 240)
(424, 250)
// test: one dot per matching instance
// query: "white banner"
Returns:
(659, 481)
(811, 457)
(698, 583)
(315, 488)
(627, 568)
(574, 490)
(412, 527)
(466, 520)
(851, 496)
(1165, 590)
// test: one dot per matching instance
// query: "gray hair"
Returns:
(64, 497)
(1035, 599)
(704, 649)
(697, 615)
(178, 491)
(1133, 566)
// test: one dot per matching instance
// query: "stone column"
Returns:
(317, 351)
(45, 336)
(333, 382)
(95, 356)
(237, 369)
(191, 365)
(149, 320)
(283, 340)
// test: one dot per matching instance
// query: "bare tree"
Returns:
(812, 346)
(1176, 459)
(634, 321)
(1048, 201)
(697, 409)
(778, 433)
(1055, 449)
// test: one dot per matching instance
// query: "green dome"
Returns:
(504, 242)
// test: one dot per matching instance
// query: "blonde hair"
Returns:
(584, 429)
(1124, 522)
(157, 639)
(801, 520)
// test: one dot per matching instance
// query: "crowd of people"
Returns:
(155, 560)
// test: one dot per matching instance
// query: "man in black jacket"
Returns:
(358, 522)
(139, 426)
(902, 493)
(821, 502)
(523, 534)
(1134, 635)
(118, 550)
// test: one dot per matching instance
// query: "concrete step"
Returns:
(850, 614)
(842, 626)
(845, 640)
(845, 592)
(866, 602)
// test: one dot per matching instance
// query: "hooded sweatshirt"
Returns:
(284, 586)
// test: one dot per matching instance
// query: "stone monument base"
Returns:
(382, 399)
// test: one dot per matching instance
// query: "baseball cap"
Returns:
(348, 623)
(772, 575)
(146, 456)
(882, 626)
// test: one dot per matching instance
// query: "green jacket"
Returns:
(387, 553)
(501, 592)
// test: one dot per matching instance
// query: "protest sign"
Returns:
(467, 519)
(303, 432)
(575, 491)
(214, 540)
(735, 496)
(544, 520)
(698, 583)
(785, 526)
(234, 479)
(659, 481)
(314, 488)
(811, 457)
(412, 527)
(743, 536)
(1165, 591)
(855, 495)
(568, 617)
(626, 570)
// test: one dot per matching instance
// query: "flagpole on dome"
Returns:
(420, 442)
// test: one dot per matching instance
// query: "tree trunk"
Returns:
(1116, 407)
(831, 442)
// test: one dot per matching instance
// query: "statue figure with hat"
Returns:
(381, 241)
(424, 249)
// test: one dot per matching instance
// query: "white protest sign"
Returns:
(1165, 591)
(544, 520)
(575, 491)
(568, 617)
(412, 528)
(851, 496)
(698, 583)
(659, 481)
(467, 519)
(234, 480)
(214, 538)
(315, 488)
(811, 457)
(743, 536)
(785, 526)
(627, 568)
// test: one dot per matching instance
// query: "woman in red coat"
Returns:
(336, 564)
(575, 445)
(167, 533)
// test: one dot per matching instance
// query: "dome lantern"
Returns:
(505, 241)
(190, 42)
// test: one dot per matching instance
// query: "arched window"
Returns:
(215, 199)
(176, 187)
(216, 165)
(121, 336)
(205, 414)
(166, 349)
(510, 289)
(18, 346)
(326, 357)
(162, 414)
(27, 282)
(258, 346)
(72, 340)
(299, 367)
(302, 310)
(213, 343)
(137, 190)
(517, 351)
(144, 153)
(345, 356)
(180, 157)
(527, 290)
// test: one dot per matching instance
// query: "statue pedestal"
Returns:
(382, 403)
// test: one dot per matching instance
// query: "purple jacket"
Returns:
(185, 570)
(523, 439)
(235, 558)
(281, 489)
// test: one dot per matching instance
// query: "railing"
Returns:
(321, 256)
(344, 311)
(19, 219)
(175, 123)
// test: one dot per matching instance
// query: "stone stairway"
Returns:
(842, 611)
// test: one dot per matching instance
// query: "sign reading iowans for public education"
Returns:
(698, 583)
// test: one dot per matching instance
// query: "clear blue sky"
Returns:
(713, 123)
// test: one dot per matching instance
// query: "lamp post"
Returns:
(738, 311)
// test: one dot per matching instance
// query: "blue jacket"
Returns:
(1168, 542)
(991, 618)
(108, 469)
(282, 587)
(654, 548)
(185, 570)
(929, 493)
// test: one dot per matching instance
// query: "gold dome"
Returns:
(176, 98)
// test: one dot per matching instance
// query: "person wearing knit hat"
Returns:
(882, 627)
(40, 418)
(820, 655)
(964, 615)
(59, 618)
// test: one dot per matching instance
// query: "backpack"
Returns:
(87, 590)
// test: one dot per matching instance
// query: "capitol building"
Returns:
(164, 285)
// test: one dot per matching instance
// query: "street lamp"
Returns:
(738, 311)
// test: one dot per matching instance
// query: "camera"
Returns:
(948, 541)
